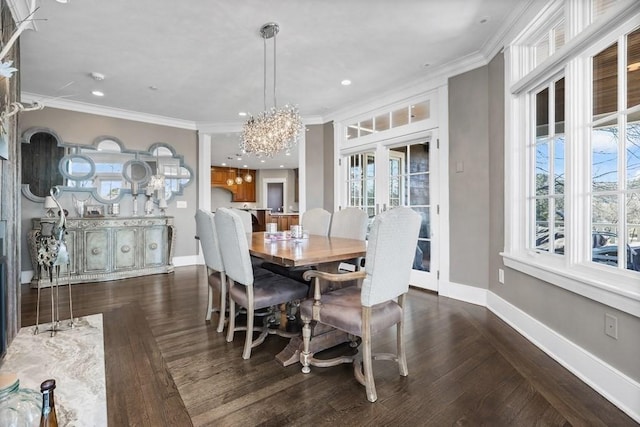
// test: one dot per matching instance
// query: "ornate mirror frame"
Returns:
(110, 169)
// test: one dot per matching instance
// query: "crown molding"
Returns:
(235, 127)
(513, 25)
(83, 107)
(20, 11)
(437, 77)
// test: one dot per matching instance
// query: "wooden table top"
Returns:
(311, 251)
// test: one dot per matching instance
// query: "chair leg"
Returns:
(306, 340)
(209, 303)
(223, 301)
(248, 340)
(366, 355)
(232, 320)
(402, 355)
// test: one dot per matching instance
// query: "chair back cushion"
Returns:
(316, 221)
(234, 246)
(206, 230)
(390, 252)
(247, 220)
(350, 223)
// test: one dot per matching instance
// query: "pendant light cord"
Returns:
(264, 95)
(275, 104)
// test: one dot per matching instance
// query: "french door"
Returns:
(399, 174)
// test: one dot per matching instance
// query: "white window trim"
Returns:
(616, 288)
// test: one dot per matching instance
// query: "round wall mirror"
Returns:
(77, 167)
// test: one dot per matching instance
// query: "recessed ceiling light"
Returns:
(224, 164)
(152, 87)
(238, 158)
(97, 76)
(281, 166)
(262, 161)
(242, 114)
(63, 1)
(345, 82)
(97, 93)
(244, 166)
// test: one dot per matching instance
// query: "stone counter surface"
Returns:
(74, 358)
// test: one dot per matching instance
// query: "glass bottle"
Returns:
(19, 407)
(48, 415)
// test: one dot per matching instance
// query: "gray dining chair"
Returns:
(316, 221)
(216, 276)
(379, 304)
(250, 287)
(247, 221)
(350, 223)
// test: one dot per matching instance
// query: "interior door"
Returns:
(410, 182)
(399, 174)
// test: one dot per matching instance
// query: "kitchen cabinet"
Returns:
(284, 221)
(245, 192)
(109, 248)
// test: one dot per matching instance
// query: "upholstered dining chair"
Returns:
(350, 223)
(377, 305)
(316, 221)
(245, 216)
(216, 276)
(251, 288)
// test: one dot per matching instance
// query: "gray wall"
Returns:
(314, 167)
(469, 189)
(82, 128)
(329, 164)
(477, 231)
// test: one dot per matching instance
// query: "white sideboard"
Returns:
(109, 248)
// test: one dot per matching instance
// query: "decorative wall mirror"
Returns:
(106, 170)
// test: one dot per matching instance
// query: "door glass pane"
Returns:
(419, 158)
(604, 157)
(422, 258)
(425, 226)
(558, 246)
(419, 189)
(605, 81)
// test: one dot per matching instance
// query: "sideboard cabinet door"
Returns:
(154, 249)
(125, 244)
(96, 251)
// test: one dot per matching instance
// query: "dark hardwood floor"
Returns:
(166, 366)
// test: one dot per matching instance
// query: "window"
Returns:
(548, 147)
(390, 120)
(573, 152)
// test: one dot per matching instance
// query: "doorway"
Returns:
(275, 196)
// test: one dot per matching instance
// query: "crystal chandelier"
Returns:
(275, 129)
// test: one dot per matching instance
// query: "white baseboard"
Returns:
(183, 261)
(618, 388)
(26, 276)
(466, 293)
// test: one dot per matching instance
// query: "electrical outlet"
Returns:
(501, 276)
(611, 325)
(181, 204)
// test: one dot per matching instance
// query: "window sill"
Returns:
(615, 289)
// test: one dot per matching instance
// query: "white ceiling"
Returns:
(205, 57)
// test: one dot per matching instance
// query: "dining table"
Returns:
(324, 253)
